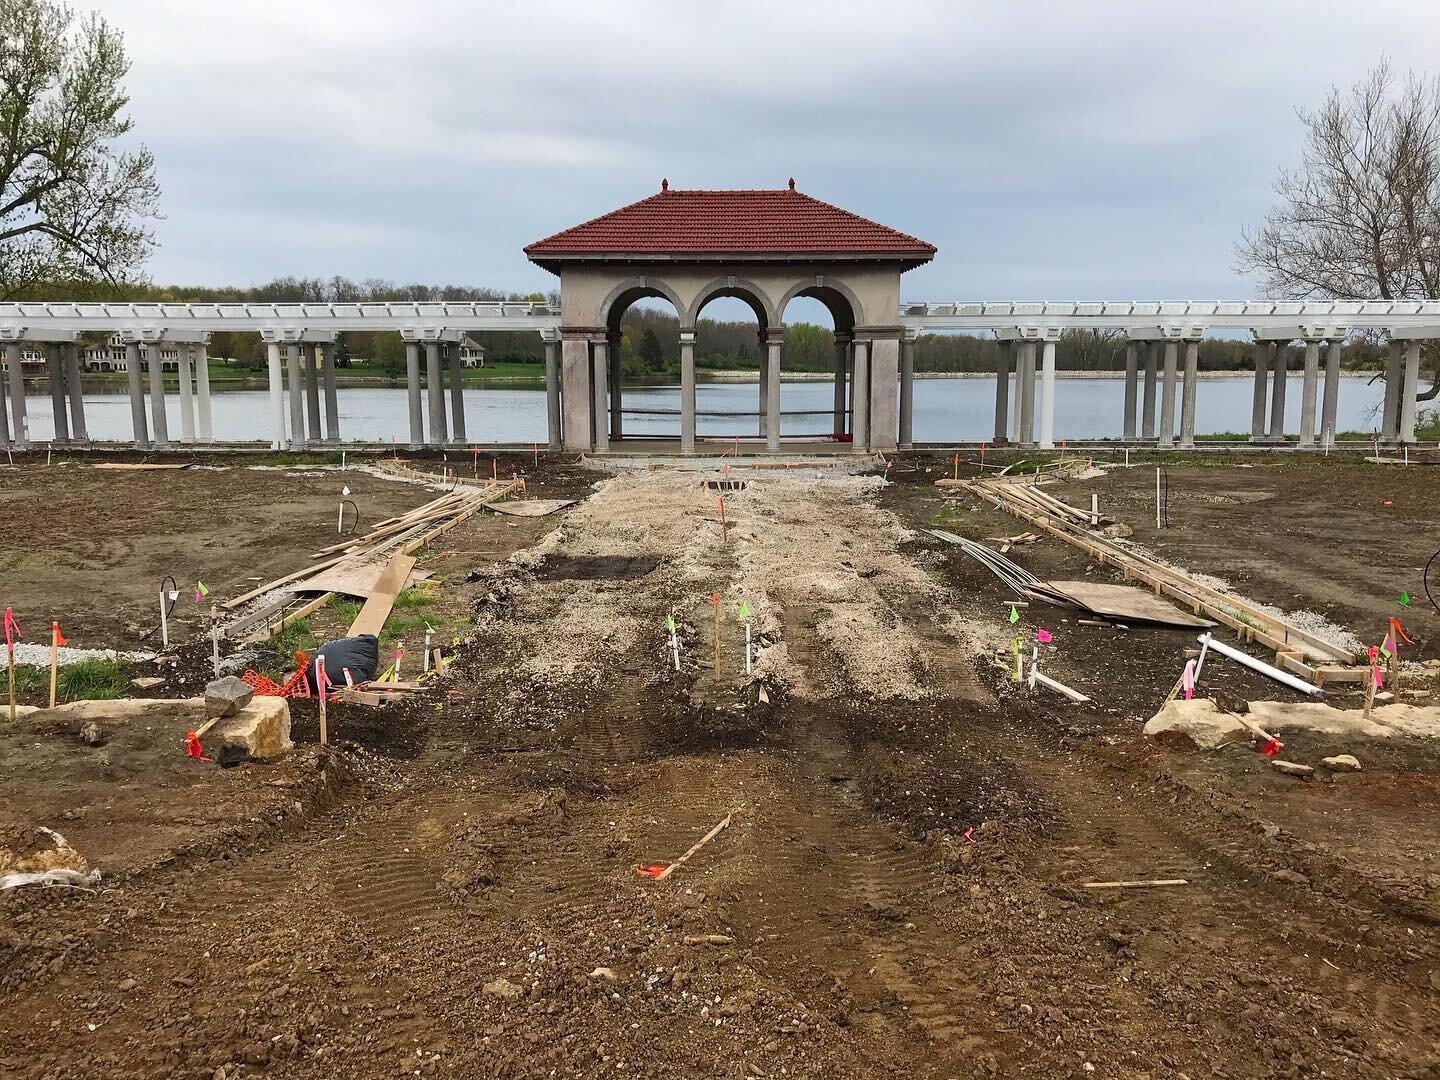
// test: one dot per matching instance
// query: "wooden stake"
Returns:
(715, 603)
(1152, 883)
(54, 659)
(957, 466)
(724, 528)
(322, 689)
(10, 652)
(1370, 691)
(702, 842)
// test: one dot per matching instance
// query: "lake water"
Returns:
(946, 410)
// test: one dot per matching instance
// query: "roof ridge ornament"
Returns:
(664, 184)
(792, 183)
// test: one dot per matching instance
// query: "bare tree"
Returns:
(1360, 218)
(71, 202)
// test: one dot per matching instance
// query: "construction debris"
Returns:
(1342, 763)
(1152, 883)
(1291, 768)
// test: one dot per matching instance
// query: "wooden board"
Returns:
(354, 577)
(531, 507)
(1124, 602)
(371, 619)
(117, 465)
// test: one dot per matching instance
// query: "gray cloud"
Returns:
(1049, 150)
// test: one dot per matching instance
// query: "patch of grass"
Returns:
(289, 460)
(345, 611)
(410, 631)
(417, 596)
(88, 680)
(278, 659)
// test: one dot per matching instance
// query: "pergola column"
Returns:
(1132, 387)
(77, 393)
(1409, 386)
(1047, 393)
(1004, 362)
(296, 389)
(1189, 388)
(1331, 400)
(1390, 410)
(907, 389)
(884, 393)
(19, 422)
(762, 417)
(325, 354)
(551, 340)
(457, 394)
(1260, 396)
(204, 419)
(159, 424)
(617, 403)
(55, 368)
(774, 343)
(1280, 364)
(860, 397)
(1152, 372)
(412, 386)
(1025, 395)
(187, 396)
(4, 413)
(842, 364)
(600, 359)
(277, 395)
(575, 389)
(1308, 392)
(435, 394)
(1167, 394)
(687, 391)
(313, 433)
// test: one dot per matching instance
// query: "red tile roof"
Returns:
(711, 224)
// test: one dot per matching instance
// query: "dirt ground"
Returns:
(452, 887)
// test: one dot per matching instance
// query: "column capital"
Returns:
(687, 337)
(774, 335)
(842, 337)
(550, 337)
(908, 335)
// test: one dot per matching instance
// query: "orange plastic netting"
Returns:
(297, 686)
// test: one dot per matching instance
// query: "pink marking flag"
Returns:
(12, 630)
(1189, 679)
(1043, 637)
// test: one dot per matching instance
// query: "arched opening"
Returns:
(642, 339)
(819, 326)
(730, 325)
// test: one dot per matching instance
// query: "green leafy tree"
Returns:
(651, 354)
(72, 204)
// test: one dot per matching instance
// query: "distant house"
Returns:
(471, 354)
(111, 357)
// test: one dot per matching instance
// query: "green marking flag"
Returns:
(670, 623)
(1014, 615)
(200, 590)
(1404, 599)
(744, 609)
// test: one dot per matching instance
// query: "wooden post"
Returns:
(12, 631)
(714, 602)
(10, 653)
(724, 527)
(54, 659)
(322, 686)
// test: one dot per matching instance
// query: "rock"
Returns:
(1342, 763)
(260, 730)
(503, 988)
(709, 939)
(1200, 720)
(147, 682)
(1294, 877)
(1119, 529)
(126, 985)
(227, 696)
(608, 974)
(91, 734)
(1291, 768)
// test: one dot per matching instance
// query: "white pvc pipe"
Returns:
(1249, 661)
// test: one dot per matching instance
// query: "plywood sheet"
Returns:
(531, 507)
(122, 466)
(1124, 602)
(354, 577)
(371, 619)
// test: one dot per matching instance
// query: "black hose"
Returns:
(174, 588)
(354, 524)
(1425, 581)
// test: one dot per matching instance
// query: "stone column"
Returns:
(205, 424)
(842, 363)
(1280, 364)
(277, 395)
(1167, 395)
(77, 393)
(55, 368)
(457, 395)
(4, 413)
(617, 402)
(860, 398)
(1152, 371)
(1390, 410)
(1047, 395)
(600, 353)
(1003, 363)
(1025, 394)
(907, 390)
(764, 384)
(187, 396)
(1132, 387)
(325, 353)
(551, 340)
(19, 422)
(575, 393)
(1331, 401)
(311, 370)
(884, 392)
(1187, 396)
(159, 424)
(1259, 400)
(296, 389)
(412, 385)
(774, 342)
(687, 391)
(1308, 392)
(1409, 387)
(435, 394)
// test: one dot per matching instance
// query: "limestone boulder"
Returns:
(1341, 763)
(1200, 720)
(260, 730)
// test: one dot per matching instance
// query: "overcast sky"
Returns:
(1050, 150)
